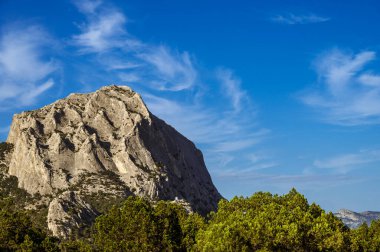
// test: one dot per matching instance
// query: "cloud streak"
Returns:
(346, 162)
(348, 93)
(287, 181)
(87, 6)
(207, 125)
(232, 86)
(104, 35)
(23, 67)
(226, 138)
(294, 19)
(172, 71)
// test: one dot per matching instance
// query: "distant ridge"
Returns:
(354, 220)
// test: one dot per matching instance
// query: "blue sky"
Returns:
(277, 94)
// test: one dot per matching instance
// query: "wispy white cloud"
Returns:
(173, 70)
(232, 87)
(23, 67)
(290, 180)
(235, 145)
(372, 80)
(101, 33)
(105, 33)
(338, 68)
(285, 181)
(261, 160)
(207, 125)
(30, 96)
(87, 6)
(348, 94)
(346, 162)
(226, 138)
(129, 77)
(294, 19)
(324, 173)
(116, 64)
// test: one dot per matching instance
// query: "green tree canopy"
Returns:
(139, 226)
(18, 233)
(272, 223)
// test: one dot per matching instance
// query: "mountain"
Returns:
(354, 220)
(82, 153)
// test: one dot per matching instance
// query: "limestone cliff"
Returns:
(106, 142)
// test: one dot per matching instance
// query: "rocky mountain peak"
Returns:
(106, 143)
(353, 219)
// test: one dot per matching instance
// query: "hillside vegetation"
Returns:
(262, 222)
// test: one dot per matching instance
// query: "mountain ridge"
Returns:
(104, 143)
(354, 219)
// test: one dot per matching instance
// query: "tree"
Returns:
(272, 223)
(18, 233)
(366, 238)
(130, 228)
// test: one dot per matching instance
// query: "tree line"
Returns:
(262, 222)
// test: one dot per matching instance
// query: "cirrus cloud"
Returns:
(25, 71)
(294, 19)
(105, 36)
(348, 93)
(345, 162)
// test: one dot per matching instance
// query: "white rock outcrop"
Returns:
(69, 212)
(109, 131)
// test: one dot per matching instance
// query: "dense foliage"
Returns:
(272, 223)
(17, 232)
(262, 222)
(366, 238)
(138, 226)
(5, 148)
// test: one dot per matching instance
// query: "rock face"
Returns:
(106, 142)
(354, 220)
(68, 212)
